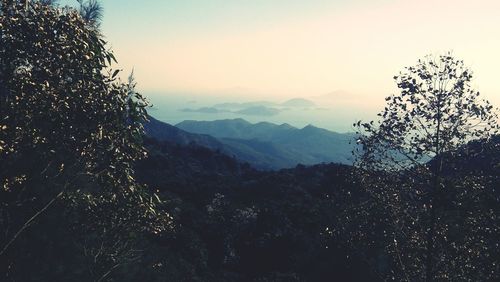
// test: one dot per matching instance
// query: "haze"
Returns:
(278, 49)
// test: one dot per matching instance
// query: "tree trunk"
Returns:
(430, 239)
(429, 267)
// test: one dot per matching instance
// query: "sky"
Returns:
(298, 48)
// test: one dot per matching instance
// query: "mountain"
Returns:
(233, 223)
(258, 111)
(239, 106)
(261, 155)
(236, 128)
(474, 157)
(162, 131)
(299, 102)
(296, 102)
(309, 145)
(272, 224)
(319, 145)
(205, 110)
(264, 145)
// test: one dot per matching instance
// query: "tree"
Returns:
(91, 11)
(7, 4)
(70, 132)
(403, 159)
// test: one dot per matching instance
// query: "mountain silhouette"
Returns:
(299, 102)
(165, 132)
(309, 145)
(258, 111)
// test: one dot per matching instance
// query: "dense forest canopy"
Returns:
(86, 196)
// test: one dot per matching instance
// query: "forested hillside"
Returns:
(239, 224)
(264, 145)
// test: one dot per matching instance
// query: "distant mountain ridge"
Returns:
(165, 132)
(236, 128)
(261, 155)
(264, 145)
(299, 102)
(257, 108)
(309, 145)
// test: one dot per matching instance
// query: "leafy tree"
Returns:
(91, 11)
(70, 131)
(406, 162)
(7, 4)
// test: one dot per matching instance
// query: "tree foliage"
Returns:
(434, 225)
(436, 111)
(91, 11)
(70, 131)
(233, 223)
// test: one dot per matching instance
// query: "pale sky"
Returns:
(289, 48)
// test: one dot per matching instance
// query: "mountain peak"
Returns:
(236, 120)
(286, 126)
(310, 127)
(299, 102)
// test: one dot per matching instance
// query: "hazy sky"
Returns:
(288, 48)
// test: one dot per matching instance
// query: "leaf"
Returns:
(115, 73)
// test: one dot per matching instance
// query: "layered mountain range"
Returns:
(264, 145)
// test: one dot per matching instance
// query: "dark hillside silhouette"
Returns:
(248, 225)
(287, 144)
